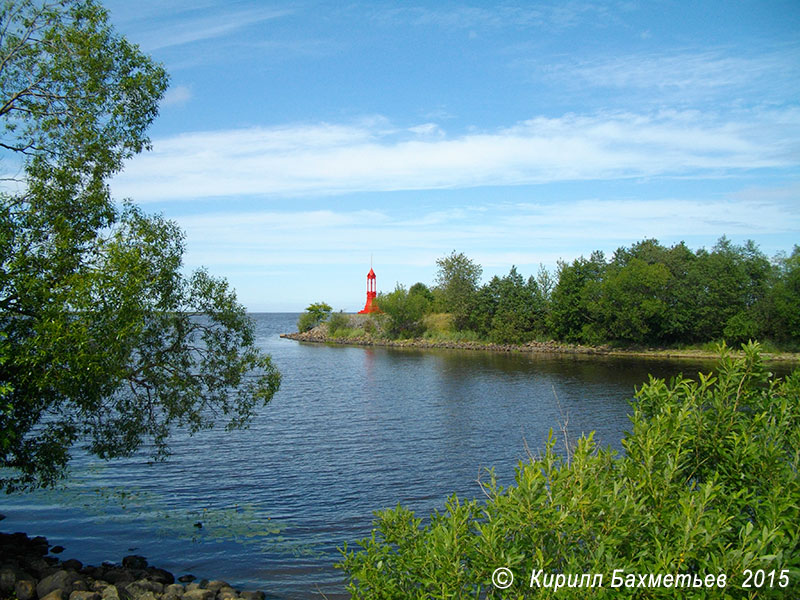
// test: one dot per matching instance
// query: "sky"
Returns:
(300, 141)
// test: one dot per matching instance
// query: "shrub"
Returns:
(338, 321)
(708, 485)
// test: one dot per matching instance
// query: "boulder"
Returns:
(252, 595)
(8, 578)
(134, 561)
(72, 564)
(54, 595)
(186, 578)
(110, 593)
(25, 589)
(160, 575)
(138, 589)
(216, 585)
(60, 580)
(199, 595)
(174, 589)
(227, 593)
(84, 595)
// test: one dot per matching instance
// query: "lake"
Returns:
(352, 430)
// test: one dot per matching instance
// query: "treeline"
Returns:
(648, 294)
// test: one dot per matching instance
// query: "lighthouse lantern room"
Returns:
(369, 307)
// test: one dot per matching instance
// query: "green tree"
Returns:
(107, 344)
(404, 311)
(315, 314)
(574, 309)
(457, 279)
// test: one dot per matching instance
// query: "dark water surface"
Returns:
(352, 430)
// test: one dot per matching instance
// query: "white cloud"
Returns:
(372, 155)
(177, 96)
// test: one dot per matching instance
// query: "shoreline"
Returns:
(319, 336)
(29, 571)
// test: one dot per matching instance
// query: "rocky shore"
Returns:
(320, 335)
(28, 571)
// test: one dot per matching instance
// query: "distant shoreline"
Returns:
(318, 336)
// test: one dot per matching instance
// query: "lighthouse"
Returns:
(369, 307)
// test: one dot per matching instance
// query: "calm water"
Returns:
(352, 430)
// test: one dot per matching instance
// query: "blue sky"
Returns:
(300, 138)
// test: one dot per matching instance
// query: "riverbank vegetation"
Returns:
(707, 488)
(646, 295)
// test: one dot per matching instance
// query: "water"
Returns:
(352, 430)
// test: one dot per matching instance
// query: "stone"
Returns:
(25, 589)
(193, 586)
(60, 580)
(134, 561)
(7, 579)
(160, 575)
(56, 549)
(118, 576)
(186, 578)
(138, 589)
(54, 595)
(252, 595)
(199, 595)
(72, 565)
(84, 595)
(226, 593)
(176, 589)
(216, 585)
(110, 593)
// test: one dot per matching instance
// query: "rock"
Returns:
(56, 549)
(134, 562)
(186, 578)
(175, 589)
(193, 586)
(84, 595)
(216, 585)
(118, 576)
(25, 589)
(160, 575)
(138, 589)
(251, 595)
(72, 564)
(226, 593)
(7, 579)
(60, 580)
(110, 593)
(199, 595)
(54, 595)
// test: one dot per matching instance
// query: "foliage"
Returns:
(457, 280)
(708, 485)
(509, 310)
(314, 314)
(107, 343)
(338, 321)
(404, 310)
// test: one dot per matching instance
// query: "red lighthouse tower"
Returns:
(369, 307)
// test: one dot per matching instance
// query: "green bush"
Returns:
(338, 321)
(708, 485)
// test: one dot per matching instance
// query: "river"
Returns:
(352, 430)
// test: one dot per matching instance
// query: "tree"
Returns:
(405, 311)
(315, 314)
(105, 343)
(457, 279)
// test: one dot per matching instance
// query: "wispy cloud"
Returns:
(188, 29)
(327, 159)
